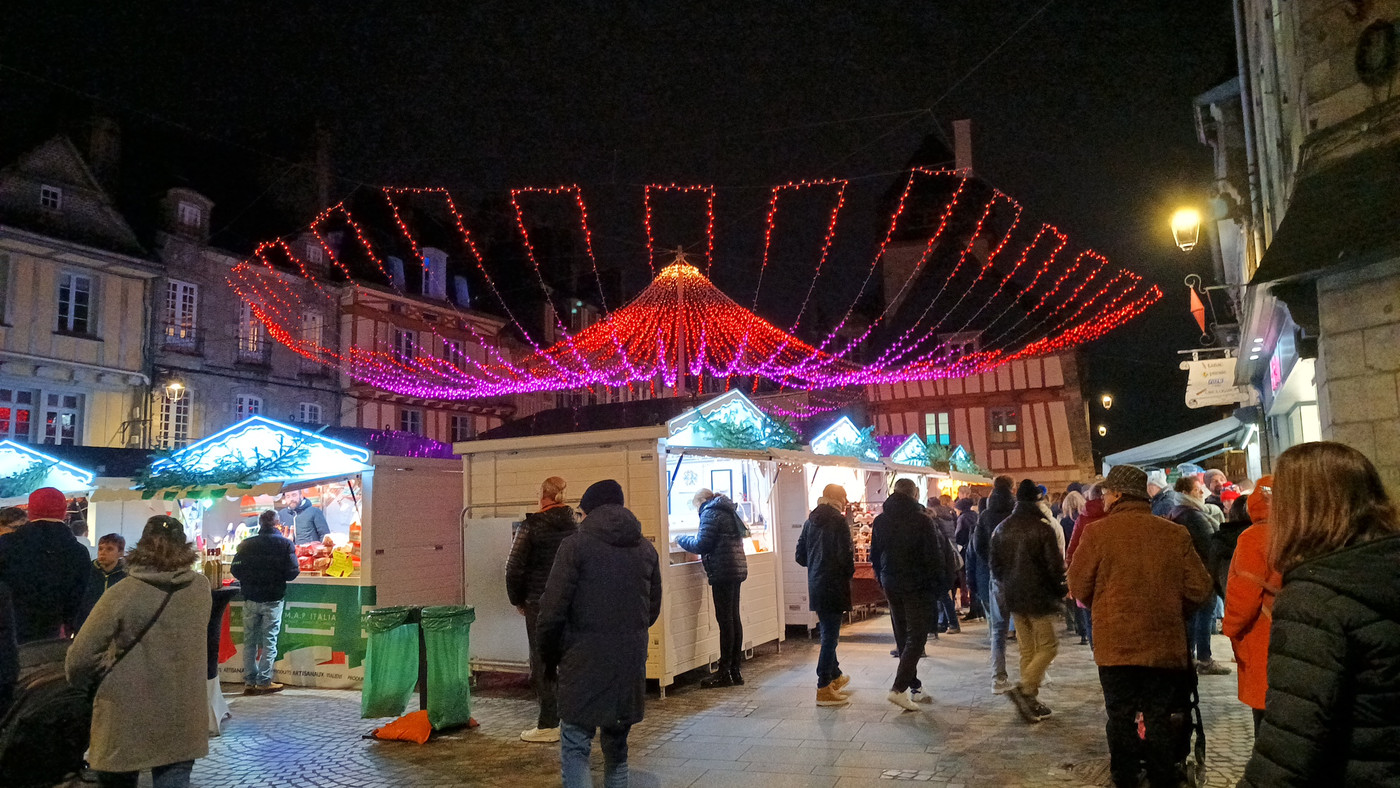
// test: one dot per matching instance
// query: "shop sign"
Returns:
(1212, 382)
(322, 643)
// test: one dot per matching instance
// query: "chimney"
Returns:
(962, 144)
(105, 151)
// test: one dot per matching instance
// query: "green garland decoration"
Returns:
(864, 447)
(285, 460)
(971, 468)
(25, 481)
(770, 433)
(939, 457)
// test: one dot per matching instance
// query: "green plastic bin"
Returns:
(447, 639)
(391, 661)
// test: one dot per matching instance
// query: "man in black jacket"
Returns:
(908, 563)
(46, 570)
(1190, 512)
(1030, 572)
(995, 508)
(825, 549)
(263, 566)
(604, 592)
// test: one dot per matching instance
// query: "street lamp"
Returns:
(1107, 401)
(174, 390)
(1102, 430)
(1186, 228)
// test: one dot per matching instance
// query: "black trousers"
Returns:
(731, 629)
(911, 614)
(1155, 693)
(546, 690)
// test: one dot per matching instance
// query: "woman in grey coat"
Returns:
(144, 646)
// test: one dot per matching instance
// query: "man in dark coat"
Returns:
(1030, 573)
(1190, 512)
(962, 537)
(46, 570)
(908, 562)
(720, 545)
(603, 594)
(263, 565)
(307, 522)
(825, 549)
(532, 555)
(995, 508)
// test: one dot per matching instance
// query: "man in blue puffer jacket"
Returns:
(720, 545)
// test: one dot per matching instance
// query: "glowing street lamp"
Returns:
(1186, 228)
(1102, 430)
(174, 390)
(1107, 401)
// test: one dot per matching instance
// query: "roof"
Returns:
(1193, 445)
(102, 460)
(1343, 213)
(591, 418)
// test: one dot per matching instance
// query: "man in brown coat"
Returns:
(1140, 577)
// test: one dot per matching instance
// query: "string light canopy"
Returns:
(980, 267)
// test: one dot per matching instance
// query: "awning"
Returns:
(201, 492)
(1192, 445)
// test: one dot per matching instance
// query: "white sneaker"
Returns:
(1000, 686)
(541, 735)
(902, 700)
(919, 696)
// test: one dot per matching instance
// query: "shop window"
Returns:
(936, 428)
(16, 414)
(75, 303)
(309, 413)
(245, 405)
(463, 427)
(50, 197)
(173, 430)
(411, 421)
(1003, 426)
(62, 414)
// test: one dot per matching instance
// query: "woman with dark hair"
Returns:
(720, 545)
(144, 648)
(1334, 647)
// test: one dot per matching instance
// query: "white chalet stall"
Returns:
(659, 467)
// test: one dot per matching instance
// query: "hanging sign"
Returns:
(1211, 381)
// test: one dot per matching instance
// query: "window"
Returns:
(936, 428)
(411, 420)
(173, 430)
(314, 253)
(61, 414)
(1003, 424)
(251, 341)
(16, 414)
(50, 197)
(961, 344)
(190, 215)
(245, 405)
(404, 342)
(311, 325)
(463, 428)
(181, 305)
(309, 413)
(434, 273)
(454, 352)
(4, 288)
(75, 303)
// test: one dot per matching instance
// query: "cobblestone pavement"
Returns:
(767, 733)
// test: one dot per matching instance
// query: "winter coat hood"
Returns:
(555, 518)
(901, 505)
(165, 581)
(1000, 501)
(613, 524)
(1362, 572)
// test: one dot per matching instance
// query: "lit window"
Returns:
(404, 343)
(463, 428)
(936, 428)
(61, 419)
(75, 303)
(181, 305)
(246, 405)
(251, 340)
(190, 215)
(1003, 426)
(51, 197)
(173, 431)
(309, 413)
(411, 420)
(16, 414)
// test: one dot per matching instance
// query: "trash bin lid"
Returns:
(448, 616)
(383, 619)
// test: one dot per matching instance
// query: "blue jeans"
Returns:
(1086, 623)
(947, 611)
(996, 621)
(575, 744)
(828, 668)
(1198, 630)
(172, 775)
(261, 623)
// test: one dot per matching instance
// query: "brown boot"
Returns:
(826, 696)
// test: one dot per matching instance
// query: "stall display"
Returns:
(220, 485)
(660, 467)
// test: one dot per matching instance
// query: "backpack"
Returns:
(45, 733)
(950, 562)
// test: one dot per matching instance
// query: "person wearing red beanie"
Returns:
(46, 570)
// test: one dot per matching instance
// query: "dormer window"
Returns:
(190, 215)
(50, 197)
(314, 254)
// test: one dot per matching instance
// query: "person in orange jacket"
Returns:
(1249, 600)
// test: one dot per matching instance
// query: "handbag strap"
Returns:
(117, 657)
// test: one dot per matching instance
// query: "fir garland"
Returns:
(770, 433)
(174, 473)
(939, 457)
(864, 447)
(25, 481)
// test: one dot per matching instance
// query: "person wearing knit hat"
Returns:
(1249, 600)
(600, 494)
(46, 570)
(1140, 578)
(1029, 566)
(825, 548)
(532, 553)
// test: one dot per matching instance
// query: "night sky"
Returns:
(1081, 110)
